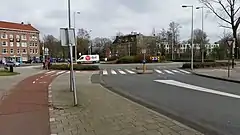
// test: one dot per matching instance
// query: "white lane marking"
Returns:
(34, 82)
(176, 71)
(52, 119)
(113, 72)
(129, 71)
(37, 79)
(58, 73)
(41, 77)
(50, 96)
(121, 72)
(42, 82)
(197, 88)
(105, 72)
(158, 71)
(169, 72)
(50, 72)
(184, 71)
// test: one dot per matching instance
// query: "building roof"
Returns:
(17, 26)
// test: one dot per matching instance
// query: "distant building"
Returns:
(19, 41)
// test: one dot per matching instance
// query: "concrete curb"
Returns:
(195, 125)
(218, 78)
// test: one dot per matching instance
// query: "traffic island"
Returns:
(7, 73)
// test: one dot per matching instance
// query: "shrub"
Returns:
(206, 64)
(75, 67)
(126, 60)
(113, 58)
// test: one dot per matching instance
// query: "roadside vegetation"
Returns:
(7, 73)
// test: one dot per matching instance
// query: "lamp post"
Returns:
(184, 6)
(202, 43)
(74, 18)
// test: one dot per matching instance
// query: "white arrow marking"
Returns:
(197, 88)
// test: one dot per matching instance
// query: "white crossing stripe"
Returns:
(105, 72)
(113, 72)
(60, 72)
(158, 71)
(185, 71)
(129, 71)
(197, 88)
(168, 71)
(121, 72)
(176, 71)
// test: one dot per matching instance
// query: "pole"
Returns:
(74, 17)
(202, 43)
(172, 44)
(233, 51)
(129, 51)
(72, 78)
(229, 57)
(192, 42)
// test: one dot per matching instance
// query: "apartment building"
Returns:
(182, 48)
(19, 42)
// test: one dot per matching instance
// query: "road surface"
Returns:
(206, 104)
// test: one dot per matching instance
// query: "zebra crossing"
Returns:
(106, 72)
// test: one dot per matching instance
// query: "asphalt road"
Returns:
(205, 107)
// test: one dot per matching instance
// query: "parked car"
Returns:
(11, 63)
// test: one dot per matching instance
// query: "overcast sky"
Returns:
(107, 17)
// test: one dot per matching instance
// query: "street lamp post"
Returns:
(202, 42)
(74, 18)
(184, 6)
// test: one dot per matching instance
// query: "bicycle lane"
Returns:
(25, 111)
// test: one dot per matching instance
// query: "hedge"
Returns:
(206, 64)
(195, 60)
(75, 67)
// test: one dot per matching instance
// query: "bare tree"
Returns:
(174, 34)
(226, 10)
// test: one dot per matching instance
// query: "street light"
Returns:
(74, 19)
(202, 44)
(184, 6)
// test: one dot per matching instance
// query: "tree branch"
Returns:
(236, 11)
(228, 27)
(209, 5)
(237, 23)
(224, 8)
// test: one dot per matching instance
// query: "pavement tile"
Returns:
(101, 112)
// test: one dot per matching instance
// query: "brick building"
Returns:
(19, 42)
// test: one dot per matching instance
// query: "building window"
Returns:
(18, 51)
(36, 51)
(24, 44)
(36, 44)
(4, 51)
(11, 51)
(18, 44)
(17, 36)
(24, 51)
(4, 43)
(11, 44)
(31, 51)
(4, 36)
(11, 36)
(24, 37)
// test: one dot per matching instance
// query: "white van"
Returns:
(88, 59)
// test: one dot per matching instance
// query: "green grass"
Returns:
(7, 73)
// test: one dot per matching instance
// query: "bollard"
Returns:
(11, 68)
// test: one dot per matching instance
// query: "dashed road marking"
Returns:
(105, 72)
(169, 72)
(113, 72)
(52, 119)
(121, 72)
(34, 82)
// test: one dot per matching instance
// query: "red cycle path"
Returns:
(25, 111)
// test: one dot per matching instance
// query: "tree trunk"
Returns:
(236, 52)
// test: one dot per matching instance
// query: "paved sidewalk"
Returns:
(221, 74)
(102, 112)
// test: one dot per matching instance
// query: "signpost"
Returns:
(144, 59)
(231, 48)
(68, 39)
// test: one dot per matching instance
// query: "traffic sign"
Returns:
(144, 51)
(230, 42)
